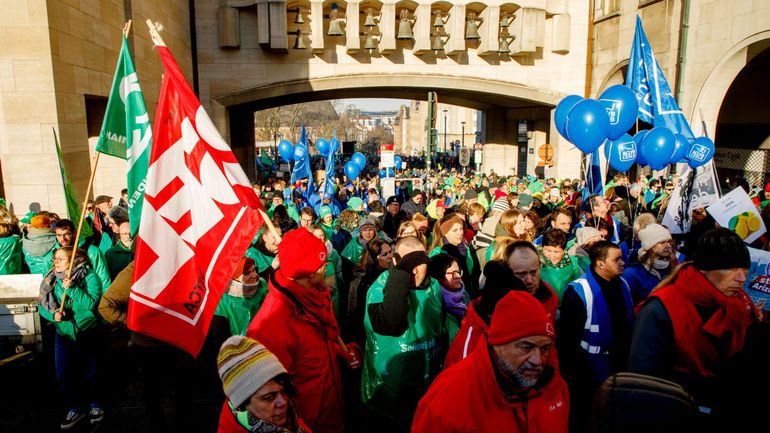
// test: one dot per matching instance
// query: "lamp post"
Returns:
(445, 112)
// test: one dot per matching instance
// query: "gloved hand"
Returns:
(412, 260)
(353, 356)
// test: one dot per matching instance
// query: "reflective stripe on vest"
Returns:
(588, 298)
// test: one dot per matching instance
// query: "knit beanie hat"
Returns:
(40, 222)
(245, 263)
(651, 235)
(449, 223)
(470, 194)
(501, 204)
(245, 365)
(367, 221)
(300, 254)
(416, 192)
(323, 211)
(584, 234)
(721, 248)
(525, 200)
(516, 316)
(355, 204)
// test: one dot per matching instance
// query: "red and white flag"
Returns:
(199, 216)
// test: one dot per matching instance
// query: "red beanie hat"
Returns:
(516, 316)
(244, 264)
(300, 253)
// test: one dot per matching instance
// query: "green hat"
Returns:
(323, 211)
(354, 203)
(28, 218)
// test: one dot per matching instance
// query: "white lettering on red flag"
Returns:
(199, 216)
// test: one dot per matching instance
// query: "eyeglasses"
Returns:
(60, 260)
(457, 274)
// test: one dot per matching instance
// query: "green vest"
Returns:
(353, 251)
(399, 369)
(559, 276)
(261, 260)
(468, 259)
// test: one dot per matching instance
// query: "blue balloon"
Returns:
(381, 173)
(351, 170)
(560, 114)
(359, 160)
(587, 125)
(622, 153)
(389, 172)
(335, 144)
(286, 150)
(701, 152)
(622, 109)
(658, 147)
(323, 146)
(638, 137)
(681, 149)
(398, 162)
(299, 152)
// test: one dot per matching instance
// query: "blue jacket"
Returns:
(640, 280)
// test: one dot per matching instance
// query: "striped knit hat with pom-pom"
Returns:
(245, 365)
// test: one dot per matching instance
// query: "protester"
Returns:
(65, 237)
(259, 390)
(367, 230)
(264, 252)
(374, 261)
(38, 245)
(450, 240)
(241, 300)
(69, 300)
(446, 270)
(10, 250)
(524, 260)
(414, 204)
(509, 383)
(306, 342)
(392, 217)
(653, 262)
(594, 328)
(689, 330)
(557, 267)
(121, 254)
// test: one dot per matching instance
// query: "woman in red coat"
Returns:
(296, 323)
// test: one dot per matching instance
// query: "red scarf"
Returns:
(732, 318)
(317, 303)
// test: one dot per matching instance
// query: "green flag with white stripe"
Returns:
(126, 132)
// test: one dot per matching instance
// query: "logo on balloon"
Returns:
(613, 109)
(698, 152)
(627, 151)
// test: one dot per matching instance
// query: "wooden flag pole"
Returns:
(126, 30)
(275, 234)
(155, 33)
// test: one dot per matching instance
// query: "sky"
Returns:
(377, 104)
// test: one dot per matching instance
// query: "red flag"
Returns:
(199, 216)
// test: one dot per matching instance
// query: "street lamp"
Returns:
(445, 111)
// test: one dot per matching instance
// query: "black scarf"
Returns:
(47, 297)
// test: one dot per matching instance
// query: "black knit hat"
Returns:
(721, 248)
(499, 281)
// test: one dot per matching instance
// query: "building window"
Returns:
(603, 8)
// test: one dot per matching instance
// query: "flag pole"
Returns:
(155, 34)
(126, 30)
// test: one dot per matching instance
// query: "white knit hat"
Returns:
(585, 234)
(651, 236)
(501, 204)
(245, 365)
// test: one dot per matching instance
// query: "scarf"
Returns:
(734, 313)
(315, 302)
(38, 242)
(454, 301)
(242, 290)
(462, 248)
(47, 298)
(258, 425)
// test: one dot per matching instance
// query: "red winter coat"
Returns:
(467, 337)
(229, 424)
(467, 398)
(299, 342)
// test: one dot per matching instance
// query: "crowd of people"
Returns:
(461, 303)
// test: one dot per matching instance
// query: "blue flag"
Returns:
(594, 184)
(657, 105)
(302, 167)
(328, 188)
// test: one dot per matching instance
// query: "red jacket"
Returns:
(467, 398)
(299, 342)
(229, 424)
(467, 337)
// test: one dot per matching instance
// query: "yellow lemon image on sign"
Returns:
(754, 223)
(741, 228)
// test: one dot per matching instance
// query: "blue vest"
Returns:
(597, 333)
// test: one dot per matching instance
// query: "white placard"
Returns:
(388, 187)
(387, 159)
(704, 192)
(736, 212)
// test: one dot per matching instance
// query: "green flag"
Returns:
(126, 132)
(73, 209)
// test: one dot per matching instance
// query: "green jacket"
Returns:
(560, 275)
(353, 250)
(37, 246)
(10, 255)
(262, 260)
(80, 304)
(98, 264)
(117, 258)
(239, 310)
(468, 259)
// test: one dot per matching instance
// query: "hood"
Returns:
(38, 242)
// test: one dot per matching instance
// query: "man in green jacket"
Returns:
(120, 255)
